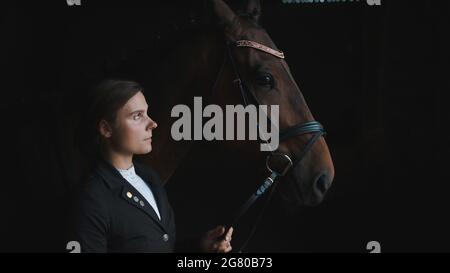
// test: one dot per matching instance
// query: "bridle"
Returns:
(310, 127)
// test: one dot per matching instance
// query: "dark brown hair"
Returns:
(109, 96)
(105, 100)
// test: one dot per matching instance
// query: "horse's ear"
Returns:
(253, 8)
(225, 17)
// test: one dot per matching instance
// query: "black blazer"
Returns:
(110, 215)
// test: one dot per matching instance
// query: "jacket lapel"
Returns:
(158, 192)
(114, 179)
(133, 197)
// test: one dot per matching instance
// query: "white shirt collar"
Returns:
(128, 173)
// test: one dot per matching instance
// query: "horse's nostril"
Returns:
(322, 184)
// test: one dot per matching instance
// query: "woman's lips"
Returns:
(148, 139)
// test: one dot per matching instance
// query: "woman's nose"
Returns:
(152, 124)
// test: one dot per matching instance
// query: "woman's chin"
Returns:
(145, 150)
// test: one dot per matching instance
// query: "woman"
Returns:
(123, 206)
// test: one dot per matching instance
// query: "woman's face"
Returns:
(132, 133)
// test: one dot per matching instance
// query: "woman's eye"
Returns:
(137, 116)
(265, 79)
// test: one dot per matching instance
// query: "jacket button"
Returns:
(166, 237)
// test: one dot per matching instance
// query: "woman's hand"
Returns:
(214, 241)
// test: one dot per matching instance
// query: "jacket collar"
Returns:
(115, 181)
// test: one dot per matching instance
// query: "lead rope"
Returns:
(268, 182)
(258, 219)
(311, 127)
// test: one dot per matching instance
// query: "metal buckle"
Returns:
(285, 169)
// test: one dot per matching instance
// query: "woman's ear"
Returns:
(105, 129)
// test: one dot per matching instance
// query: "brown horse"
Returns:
(198, 65)
(199, 62)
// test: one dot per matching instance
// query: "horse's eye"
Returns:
(265, 79)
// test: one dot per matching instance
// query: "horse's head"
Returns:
(269, 81)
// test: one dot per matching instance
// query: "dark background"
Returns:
(375, 76)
